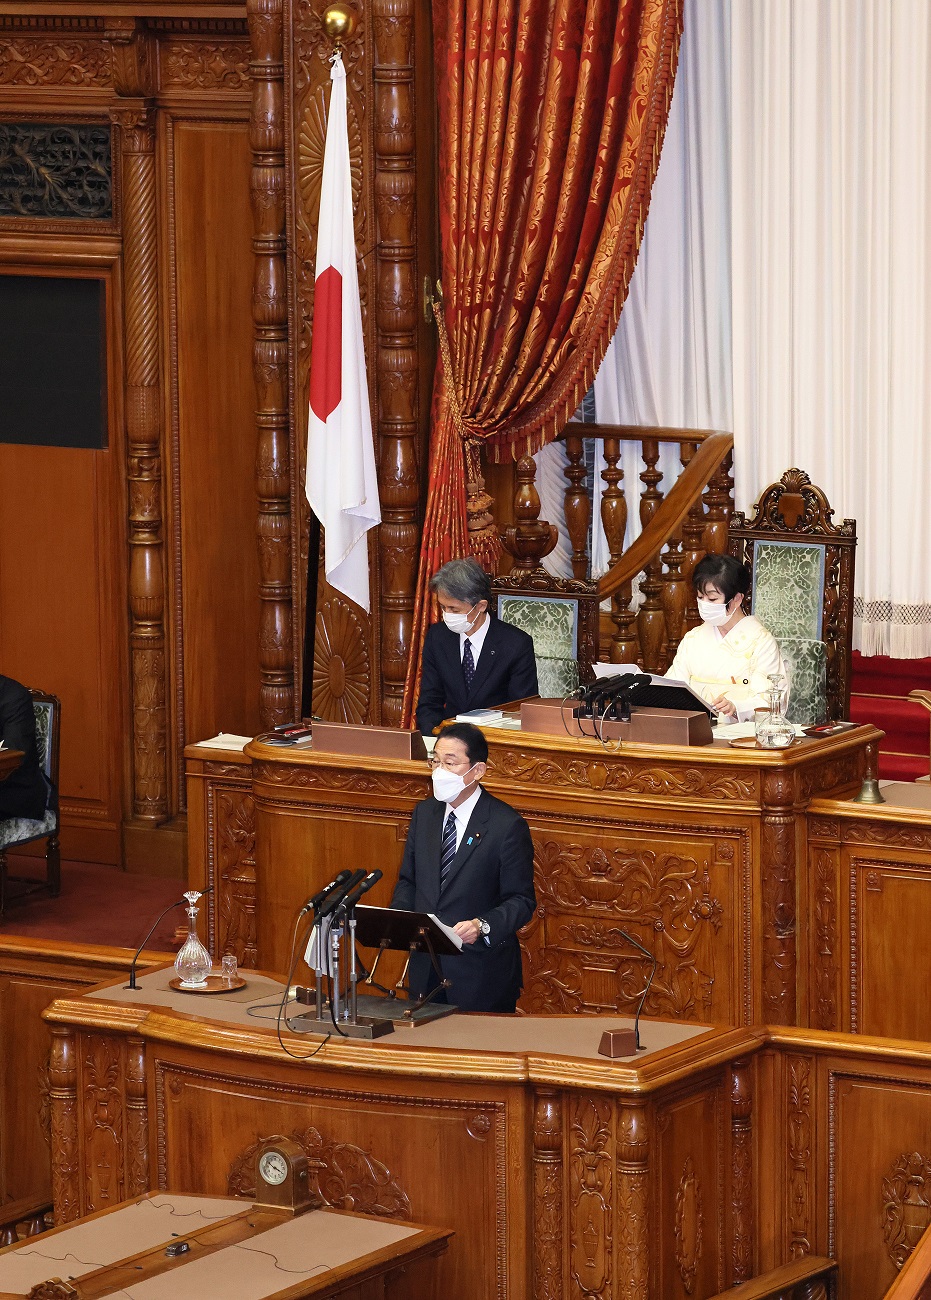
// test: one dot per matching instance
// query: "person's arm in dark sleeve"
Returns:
(431, 703)
(523, 679)
(405, 889)
(518, 898)
(18, 727)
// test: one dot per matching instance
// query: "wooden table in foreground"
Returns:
(233, 1249)
(699, 852)
(716, 1155)
(10, 760)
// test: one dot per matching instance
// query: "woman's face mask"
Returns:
(716, 612)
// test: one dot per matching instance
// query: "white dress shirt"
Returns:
(475, 639)
(462, 814)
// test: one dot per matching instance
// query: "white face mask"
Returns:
(458, 623)
(447, 785)
(714, 612)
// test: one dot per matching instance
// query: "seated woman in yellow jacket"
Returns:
(729, 658)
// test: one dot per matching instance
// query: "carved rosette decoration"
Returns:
(342, 668)
(906, 1205)
(348, 1177)
(689, 1226)
(205, 65)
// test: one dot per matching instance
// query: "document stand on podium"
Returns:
(367, 1016)
(390, 929)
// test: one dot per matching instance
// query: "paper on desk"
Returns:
(310, 953)
(611, 670)
(481, 717)
(226, 740)
(736, 730)
(447, 930)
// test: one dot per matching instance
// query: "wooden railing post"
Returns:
(578, 507)
(625, 647)
(651, 623)
(693, 547)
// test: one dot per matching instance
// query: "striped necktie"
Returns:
(468, 664)
(447, 848)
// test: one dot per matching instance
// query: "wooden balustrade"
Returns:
(808, 1278)
(678, 528)
(914, 1280)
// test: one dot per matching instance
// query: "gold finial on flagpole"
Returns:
(339, 23)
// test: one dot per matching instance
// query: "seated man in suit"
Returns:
(468, 860)
(470, 660)
(25, 792)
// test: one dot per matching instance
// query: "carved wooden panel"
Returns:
(670, 892)
(65, 1123)
(879, 1176)
(234, 875)
(203, 64)
(742, 1201)
(56, 170)
(369, 1139)
(67, 58)
(565, 771)
(888, 895)
(591, 1196)
(633, 1203)
(101, 1099)
(548, 1209)
(691, 1142)
(800, 1155)
(824, 933)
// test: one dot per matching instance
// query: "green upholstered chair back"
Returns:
(561, 615)
(802, 566)
(553, 623)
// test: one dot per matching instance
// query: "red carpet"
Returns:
(879, 689)
(101, 905)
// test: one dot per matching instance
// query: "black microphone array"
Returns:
(344, 891)
(601, 697)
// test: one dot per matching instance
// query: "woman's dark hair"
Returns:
(725, 573)
(476, 746)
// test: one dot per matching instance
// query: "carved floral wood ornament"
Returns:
(538, 246)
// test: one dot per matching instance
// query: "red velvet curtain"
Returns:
(551, 119)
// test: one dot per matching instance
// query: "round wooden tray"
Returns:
(751, 742)
(215, 984)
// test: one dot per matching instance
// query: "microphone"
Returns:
(313, 903)
(179, 903)
(336, 896)
(649, 984)
(363, 887)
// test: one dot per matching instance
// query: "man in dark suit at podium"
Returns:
(470, 660)
(24, 793)
(468, 860)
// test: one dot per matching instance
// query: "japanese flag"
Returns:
(341, 482)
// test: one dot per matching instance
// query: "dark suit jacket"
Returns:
(491, 877)
(506, 671)
(24, 792)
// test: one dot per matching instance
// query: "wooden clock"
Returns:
(282, 1177)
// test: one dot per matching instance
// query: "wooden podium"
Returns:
(699, 852)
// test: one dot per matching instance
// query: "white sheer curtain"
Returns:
(831, 222)
(669, 362)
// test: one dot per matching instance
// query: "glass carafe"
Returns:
(193, 963)
(773, 728)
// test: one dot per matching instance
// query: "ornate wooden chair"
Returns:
(802, 566)
(561, 614)
(22, 830)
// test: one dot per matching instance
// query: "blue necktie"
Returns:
(468, 665)
(447, 848)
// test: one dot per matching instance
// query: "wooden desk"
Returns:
(234, 1249)
(718, 1154)
(870, 873)
(10, 760)
(700, 853)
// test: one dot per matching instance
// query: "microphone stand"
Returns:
(180, 903)
(646, 988)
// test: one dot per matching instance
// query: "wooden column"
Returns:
(777, 868)
(547, 1196)
(632, 1208)
(270, 362)
(741, 1099)
(396, 333)
(63, 1105)
(137, 1119)
(135, 78)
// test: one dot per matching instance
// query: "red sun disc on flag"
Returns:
(326, 368)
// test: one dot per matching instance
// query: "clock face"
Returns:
(274, 1168)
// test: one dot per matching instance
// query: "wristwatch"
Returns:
(484, 928)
